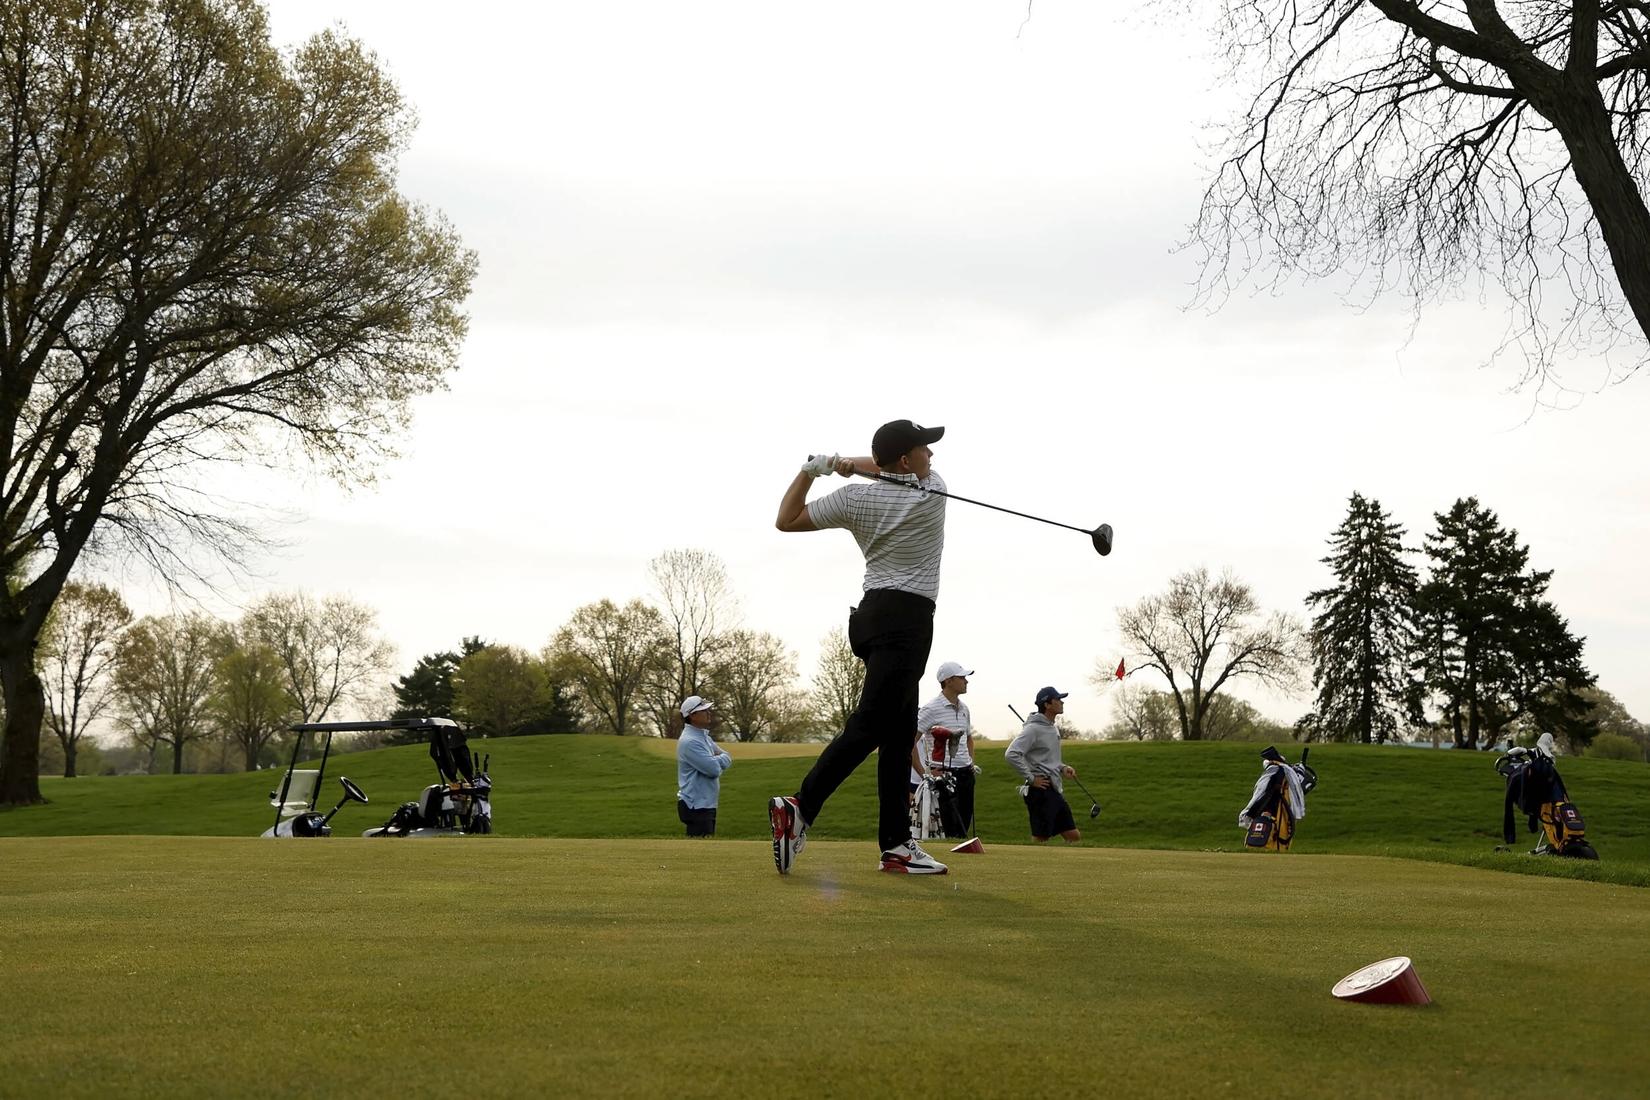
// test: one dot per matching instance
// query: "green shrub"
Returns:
(1615, 746)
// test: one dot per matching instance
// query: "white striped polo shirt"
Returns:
(940, 711)
(900, 530)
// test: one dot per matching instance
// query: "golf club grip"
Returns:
(1304, 754)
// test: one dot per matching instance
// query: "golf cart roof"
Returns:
(363, 727)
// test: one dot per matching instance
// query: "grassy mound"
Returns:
(233, 967)
(1374, 801)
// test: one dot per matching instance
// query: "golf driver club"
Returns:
(1100, 536)
(1094, 803)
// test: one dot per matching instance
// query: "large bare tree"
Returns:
(77, 657)
(607, 653)
(1437, 142)
(747, 679)
(329, 651)
(203, 260)
(249, 703)
(1201, 635)
(698, 606)
(164, 680)
(838, 681)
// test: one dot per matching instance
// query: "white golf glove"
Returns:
(820, 465)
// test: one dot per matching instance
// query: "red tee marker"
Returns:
(1389, 982)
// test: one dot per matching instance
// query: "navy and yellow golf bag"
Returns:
(1535, 789)
(1278, 801)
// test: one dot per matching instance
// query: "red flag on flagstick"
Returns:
(1120, 669)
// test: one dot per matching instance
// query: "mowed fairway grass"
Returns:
(160, 948)
(178, 966)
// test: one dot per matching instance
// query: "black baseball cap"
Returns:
(1049, 694)
(897, 437)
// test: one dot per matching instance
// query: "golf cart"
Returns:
(459, 803)
(294, 801)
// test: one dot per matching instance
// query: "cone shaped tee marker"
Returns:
(1389, 982)
(971, 845)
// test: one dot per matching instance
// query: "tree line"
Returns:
(624, 668)
(187, 691)
(1474, 652)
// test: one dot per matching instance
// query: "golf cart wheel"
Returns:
(1580, 849)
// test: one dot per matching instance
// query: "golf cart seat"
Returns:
(299, 790)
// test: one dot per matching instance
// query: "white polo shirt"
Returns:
(939, 711)
(900, 530)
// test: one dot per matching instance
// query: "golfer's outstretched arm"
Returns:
(793, 506)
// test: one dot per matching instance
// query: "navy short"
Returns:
(698, 822)
(1050, 816)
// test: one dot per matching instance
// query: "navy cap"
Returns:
(898, 437)
(1048, 694)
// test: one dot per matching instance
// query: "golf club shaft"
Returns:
(971, 500)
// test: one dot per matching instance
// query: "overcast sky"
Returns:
(717, 237)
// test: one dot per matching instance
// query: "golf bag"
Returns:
(460, 804)
(1535, 788)
(944, 816)
(932, 805)
(1278, 802)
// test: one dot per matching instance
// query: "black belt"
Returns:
(902, 594)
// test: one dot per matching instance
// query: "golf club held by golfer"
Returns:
(1100, 536)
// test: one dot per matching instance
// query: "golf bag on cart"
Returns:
(1278, 801)
(459, 804)
(1535, 789)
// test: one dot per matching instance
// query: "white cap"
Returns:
(950, 669)
(693, 705)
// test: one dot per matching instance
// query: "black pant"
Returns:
(891, 632)
(698, 822)
(957, 808)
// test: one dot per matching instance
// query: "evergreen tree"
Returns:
(1363, 632)
(1494, 650)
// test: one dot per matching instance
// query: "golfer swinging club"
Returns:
(901, 533)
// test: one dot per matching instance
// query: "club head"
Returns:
(1101, 536)
(1094, 811)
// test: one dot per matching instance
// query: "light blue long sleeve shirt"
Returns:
(699, 768)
